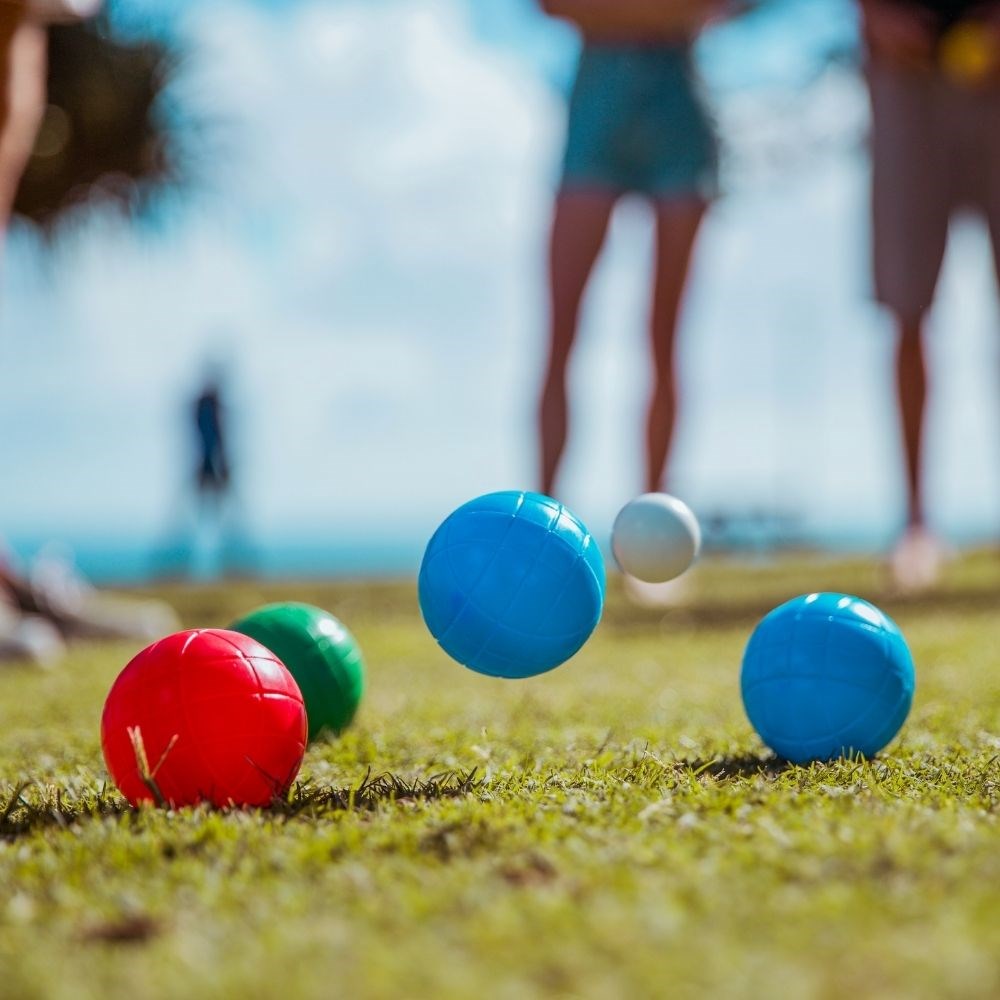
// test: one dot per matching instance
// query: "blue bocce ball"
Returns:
(512, 584)
(827, 675)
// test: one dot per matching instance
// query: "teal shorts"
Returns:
(638, 123)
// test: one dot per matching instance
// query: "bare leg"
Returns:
(677, 224)
(918, 557)
(22, 105)
(578, 232)
(911, 386)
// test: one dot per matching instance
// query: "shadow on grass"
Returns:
(739, 766)
(20, 816)
(373, 792)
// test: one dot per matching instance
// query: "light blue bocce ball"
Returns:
(512, 584)
(827, 675)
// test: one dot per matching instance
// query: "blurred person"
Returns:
(50, 604)
(212, 473)
(637, 125)
(24, 636)
(934, 77)
(206, 534)
(217, 496)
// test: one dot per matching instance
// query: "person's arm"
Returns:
(22, 97)
(605, 18)
(901, 35)
(11, 16)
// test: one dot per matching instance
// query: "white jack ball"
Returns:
(656, 538)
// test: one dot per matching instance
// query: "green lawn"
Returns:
(623, 833)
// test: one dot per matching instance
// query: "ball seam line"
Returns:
(517, 590)
(451, 566)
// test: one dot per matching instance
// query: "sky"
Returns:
(364, 250)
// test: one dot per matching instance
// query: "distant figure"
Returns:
(208, 536)
(934, 75)
(637, 125)
(205, 534)
(213, 461)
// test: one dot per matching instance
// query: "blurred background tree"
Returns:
(105, 135)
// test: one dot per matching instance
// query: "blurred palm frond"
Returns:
(104, 137)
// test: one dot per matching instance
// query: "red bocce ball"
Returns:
(204, 716)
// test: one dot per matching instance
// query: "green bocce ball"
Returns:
(321, 655)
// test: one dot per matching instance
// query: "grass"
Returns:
(611, 829)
